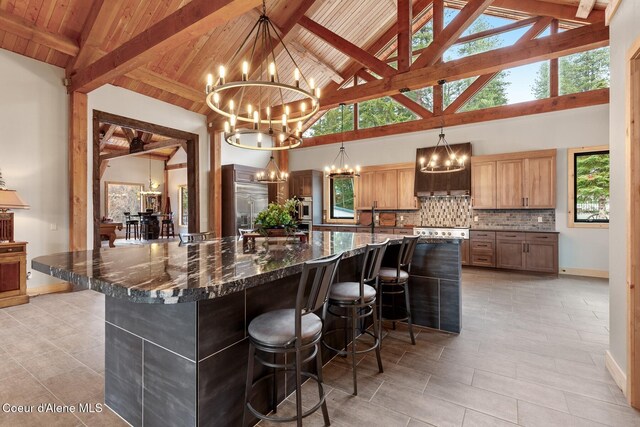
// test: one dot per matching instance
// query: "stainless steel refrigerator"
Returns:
(250, 200)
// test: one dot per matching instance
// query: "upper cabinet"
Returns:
(524, 180)
(391, 187)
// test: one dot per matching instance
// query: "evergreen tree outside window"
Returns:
(589, 186)
(342, 198)
(183, 195)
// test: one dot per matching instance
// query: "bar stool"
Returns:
(129, 224)
(395, 281)
(144, 225)
(294, 331)
(168, 224)
(357, 300)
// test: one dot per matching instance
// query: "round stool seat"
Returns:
(350, 292)
(277, 328)
(391, 274)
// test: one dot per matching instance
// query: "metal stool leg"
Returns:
(409, 322)
(376, 333)
(354, 326)
(274, 391)
(325, 412)
(249, 383)
(299, 387)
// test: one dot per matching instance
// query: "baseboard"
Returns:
(602, 274)
(619, 376)
(50, 289)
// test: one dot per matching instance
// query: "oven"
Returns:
(305, 210)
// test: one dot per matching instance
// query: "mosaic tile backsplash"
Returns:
(445, 211)
(516, 219)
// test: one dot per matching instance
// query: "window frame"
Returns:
(572, 154)
(181, 188)
(106, 195)
(328, 207)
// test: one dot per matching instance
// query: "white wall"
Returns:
(234, 155)
(624, 30)
(33, 159)
(579, 248)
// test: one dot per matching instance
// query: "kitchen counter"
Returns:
(519, 229)
(176, 317)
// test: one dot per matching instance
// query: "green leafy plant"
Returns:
(277, 216)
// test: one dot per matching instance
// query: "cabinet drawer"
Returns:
(405, 231)
(482, 235)
(482, 247)
(483, 260)
(11, 249)
(542, 237)
(509, 235)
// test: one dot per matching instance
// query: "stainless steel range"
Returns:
(441, 233)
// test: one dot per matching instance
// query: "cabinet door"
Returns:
(406, 195)
(465, 252)
(9, 275)
(483, 185)
(306, 185)
(510, 185)
(386, 189)
(366, 190)
(510, 254)
(540, 182)
(542, 256)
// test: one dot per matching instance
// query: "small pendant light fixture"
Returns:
(342, 170)
(272, 173)
(451, 162)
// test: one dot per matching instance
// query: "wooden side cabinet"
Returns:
(13, 274)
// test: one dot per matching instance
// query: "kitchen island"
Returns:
(176, 316)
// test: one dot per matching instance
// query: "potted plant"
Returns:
(277, 220)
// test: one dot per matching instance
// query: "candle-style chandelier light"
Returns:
(340, 167)
(450, 161)
(252, 122)
(272, 173)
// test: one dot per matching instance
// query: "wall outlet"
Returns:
(475, 218)
(539, 219)
(401, 217)
(28, 275)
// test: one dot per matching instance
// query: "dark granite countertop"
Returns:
(515, 229)
(360, 226)
(170, 273)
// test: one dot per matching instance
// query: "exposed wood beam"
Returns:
(215, 183)
(611, 9)
(322, 67)
(438, 26)
(173, 153)
(346, 47)
(78, 167)
(190, 21)
(565, 43)
(107, 135)
(584, 8)
(143, 126)
(165, 143)
(497, 31)
(175, 167)
(405, 19)
(166, 84)
(147, 149)
(482, 81)
(447, 37)
(129, 133)
(103, 168)
(583, 99)
(554, 75)
(22, 28)
(562, 12)
(400, 98)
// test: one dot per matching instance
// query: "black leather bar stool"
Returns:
(357, 301)
(293, 331)
(395, 281)
(167, 224)
(130, 224)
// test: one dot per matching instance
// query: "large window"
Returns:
(342, 198)
(589, 187)
(122, 197)
(183, 194)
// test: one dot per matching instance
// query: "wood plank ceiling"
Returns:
(178, 77)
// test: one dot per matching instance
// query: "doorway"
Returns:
(148, 150)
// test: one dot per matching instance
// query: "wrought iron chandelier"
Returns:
(249, 100)
(450, 162)
(342, 170)
(272, 173)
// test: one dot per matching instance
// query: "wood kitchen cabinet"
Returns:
(366, 188)
(541, 252)
(301, 184)
(13, 274)
(525, 180)
(465, 255)
(406, 196)
(510, 250)
(391, 186)
(482, 248)
(386, 189)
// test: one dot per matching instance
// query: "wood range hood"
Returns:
(443, 184)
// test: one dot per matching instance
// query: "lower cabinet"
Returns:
(465, 254)
(541, 252)
(510, 250)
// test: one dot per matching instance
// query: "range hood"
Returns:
(443, 184)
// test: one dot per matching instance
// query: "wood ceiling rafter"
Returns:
(23, 28)
(190, 21)
(584, 8)
(561, 12)
(401, 99)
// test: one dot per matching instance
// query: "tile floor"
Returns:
(531, 353)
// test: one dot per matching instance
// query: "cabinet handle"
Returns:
(523, 201)
(510, 235)
(527, 248)
(523, 251)
(527, 201)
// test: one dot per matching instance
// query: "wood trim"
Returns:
(632, 178)
(585, 272)
(617, 373)
(54, 288)
(327, 203)
(570, 190)
(78, 170)
(564, 102)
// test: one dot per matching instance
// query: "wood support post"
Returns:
(78, 166)
(554, 76)
(215, 183)
(438, 25)
(356, 108)
(405, 18)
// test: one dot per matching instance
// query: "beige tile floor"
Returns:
(531, 353)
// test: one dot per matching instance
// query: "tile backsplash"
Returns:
(456, 211)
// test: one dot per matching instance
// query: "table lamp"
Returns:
(9, 199)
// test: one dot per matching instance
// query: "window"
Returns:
(122, 197)
(342, 198)
(183, 195)
(589, 187)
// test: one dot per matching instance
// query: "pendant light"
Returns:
(272, 173)
(251, 100)
(153, 186)
(442, 158)
(342, 170)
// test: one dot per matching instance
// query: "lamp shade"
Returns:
(9, 199)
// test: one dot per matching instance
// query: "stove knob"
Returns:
(449, 233)
(436, 233)
(462, 234)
